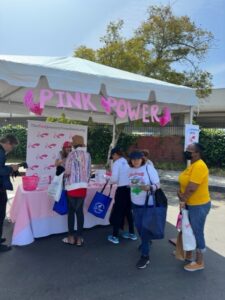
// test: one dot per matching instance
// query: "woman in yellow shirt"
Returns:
(194, 195)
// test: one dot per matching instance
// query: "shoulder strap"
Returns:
(104, 186)
(148, 174)
(147, 193)
(110, 189)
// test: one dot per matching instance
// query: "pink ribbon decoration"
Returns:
(166, 117)
(105, 104)
(33, 107)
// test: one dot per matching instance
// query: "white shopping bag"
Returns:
(55, 188)
(188, 238)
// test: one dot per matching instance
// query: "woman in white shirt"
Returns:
(122, 205)
(143, 179)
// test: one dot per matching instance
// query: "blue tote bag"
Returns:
(154, 216)
(100, 203)
(154, 220)
(61, 207)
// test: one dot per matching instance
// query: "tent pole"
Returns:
(191, 114)
(114, 132)
(112, 145)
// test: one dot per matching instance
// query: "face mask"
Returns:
(188, 155)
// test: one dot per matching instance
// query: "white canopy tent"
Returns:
(17, 73)
(69, 74)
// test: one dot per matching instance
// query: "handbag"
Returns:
(179, 221)
(159, 195)
(55, 188)
(179, 253)
(154, 216)
(61, 206)
(154, 220)
(188, 238)
(160, 198)
(100, 203)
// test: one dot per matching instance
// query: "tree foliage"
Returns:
(19, 153)
(165, 47)
(213, 141)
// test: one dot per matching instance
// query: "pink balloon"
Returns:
(31, 105)
(166, 117)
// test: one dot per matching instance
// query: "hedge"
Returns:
(100, 137)
(213, 141)
(19, 153)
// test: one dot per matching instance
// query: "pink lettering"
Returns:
(112, 102)
(121, 109)
(133, 112)
(60, 95)
(105, 104)
(145, 113)
(74, 101)
(86, 100)
(45, 95)
(108, 103)
(154, 111)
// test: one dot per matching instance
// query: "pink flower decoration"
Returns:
(105, 105)
(28, 101)
(166, 117)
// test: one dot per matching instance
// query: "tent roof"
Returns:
(76, 74)
(70, 74)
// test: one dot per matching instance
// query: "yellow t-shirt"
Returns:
(197, 173)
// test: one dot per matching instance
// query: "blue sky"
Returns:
(56, 27)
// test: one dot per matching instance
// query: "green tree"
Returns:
(19, 153)
(86, 53)
(165, 47)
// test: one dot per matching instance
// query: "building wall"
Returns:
(162, 149)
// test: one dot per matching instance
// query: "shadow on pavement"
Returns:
(49, 269)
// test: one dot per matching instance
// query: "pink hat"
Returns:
(67, 144)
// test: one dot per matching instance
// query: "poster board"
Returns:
(45, 141)
(191, 134)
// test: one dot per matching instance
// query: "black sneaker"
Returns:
(143, 262)
(2, 240)
(4, 248)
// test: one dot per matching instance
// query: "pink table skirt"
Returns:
(34, 218)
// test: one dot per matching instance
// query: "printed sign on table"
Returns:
(45, 141)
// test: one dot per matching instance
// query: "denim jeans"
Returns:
(144, 233)
(197, 217)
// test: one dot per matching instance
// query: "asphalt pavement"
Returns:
(48, 269)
